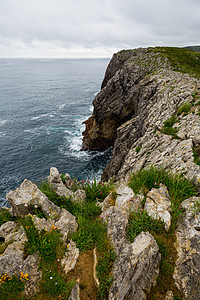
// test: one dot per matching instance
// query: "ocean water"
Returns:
(43, 103)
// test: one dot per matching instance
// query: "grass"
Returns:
(92, 231)
(182, 60)
(54, 285)
(196, 154)
(11, 288)
(5, 216)
(137, 150)
(184, 108)
(141, 221)
(168, 127)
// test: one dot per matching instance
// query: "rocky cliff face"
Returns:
(139, 93)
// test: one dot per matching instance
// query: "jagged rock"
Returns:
(12, 260)
(108, 202)
(79, 196)
(75, 293)
(136, 269)
(56, 183)
(117, 220)
(24, 198)
(139, 93)
(13, 263)
(186, 273)
(127, 200)
(69, 260)
(169, 295)
(158, 206)
(66, 223)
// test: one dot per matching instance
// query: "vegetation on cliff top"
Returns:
(182, 60)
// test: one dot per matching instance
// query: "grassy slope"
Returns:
(183, 60)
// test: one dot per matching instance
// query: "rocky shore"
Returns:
(135, 236)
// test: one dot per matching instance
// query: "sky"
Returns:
(94, 28)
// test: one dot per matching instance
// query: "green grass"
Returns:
(137, 149)
(45, 242)
(168, 127)
(141, 221)
(95, 191)
(11, 288)
(196, 154)
(184, 108)
(92, 231)
(5, 216)
(178, 186)
(182, 60)
(54, 284)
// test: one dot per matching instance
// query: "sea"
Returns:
(43, 103)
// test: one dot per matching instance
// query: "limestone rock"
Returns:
(12, 260)
(79, 196)
(75, 293)
(70, 258)
(66, 223)
(56, 183)
(108, 202)
(158, 206)
(127, 200)
(28, 195)
(117, 221)
(186, 273)
(136, 269)
(169, 295)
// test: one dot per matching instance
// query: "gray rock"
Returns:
(158, 206)
(79, 196)
(56, 183)
(28, 195)
(186, 273)
(75, 293)
(169, 295)
(70, 258)
(136, 269)
(12, 260)
(127, 200)
(108, 202)
(117, 220)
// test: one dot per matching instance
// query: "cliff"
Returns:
(142, 89)
(135, 236)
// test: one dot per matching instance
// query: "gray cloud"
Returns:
(94, 27)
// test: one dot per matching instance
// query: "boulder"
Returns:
(56, 183)
(127, 200)
(108, 202)
(187, 268)
(24, 198)
(136, 269)
(158, 205)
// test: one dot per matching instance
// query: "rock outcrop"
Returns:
(187, 268)
(139, 93)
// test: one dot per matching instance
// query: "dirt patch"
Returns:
(84, 272)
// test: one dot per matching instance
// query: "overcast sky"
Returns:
(94, 28)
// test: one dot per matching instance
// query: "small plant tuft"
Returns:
(185, 108)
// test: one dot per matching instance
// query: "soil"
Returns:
(84, 272)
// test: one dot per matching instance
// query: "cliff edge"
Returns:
(141, 91)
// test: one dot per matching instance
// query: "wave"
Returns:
(3, 122)
(50, 115)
